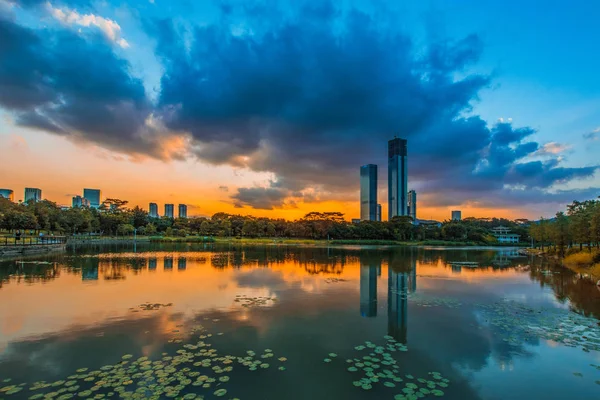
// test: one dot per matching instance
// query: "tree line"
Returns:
(114, 217)
(578, 227)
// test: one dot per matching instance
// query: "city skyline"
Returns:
(494, 129)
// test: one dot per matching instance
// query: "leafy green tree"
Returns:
(150, 229)
(125, 229)
(139, 217)
(560, 232)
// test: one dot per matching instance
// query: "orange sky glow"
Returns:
(62, 169)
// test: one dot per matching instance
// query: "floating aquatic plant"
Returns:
(380, 367)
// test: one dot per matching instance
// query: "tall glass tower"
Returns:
(412, 205)
(397, 178)
(368, 192)
(94, 196)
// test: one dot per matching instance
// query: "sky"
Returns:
(269, 108)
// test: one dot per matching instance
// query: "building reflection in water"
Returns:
(369, 270)
(168, 263)
(152, 262)
(402, 280)
(181, 263)
(89, 269)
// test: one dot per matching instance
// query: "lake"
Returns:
(286, 322)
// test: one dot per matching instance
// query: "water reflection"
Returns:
(168, 263)
(369, 271)
(317, 292)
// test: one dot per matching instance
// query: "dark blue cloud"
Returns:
(308, 93)
(74, 85)
(315, 95)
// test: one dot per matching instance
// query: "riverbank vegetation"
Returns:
(573, 236)
(114, 218)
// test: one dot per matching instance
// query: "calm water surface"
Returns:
(288, 323)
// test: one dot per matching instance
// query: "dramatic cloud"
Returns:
(75, 86)
(312, 97)
(306, 94)
(110, 28)
(553, 148)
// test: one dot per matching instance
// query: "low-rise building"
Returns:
(503, 235)
(79, 202)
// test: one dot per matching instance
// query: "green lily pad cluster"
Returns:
(334, 280)
(151, 306)
(379, 367)
(519, 322)
(254, 301)
(196, 368)
(424, 300)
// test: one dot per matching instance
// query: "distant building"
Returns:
(456, 215)
(94, 196)
(153, 210)
(356, 220)
(169, 210)
(7, 194)
(368, 192)
(397, 177)
(79, 202)
(379, 212)
(412, 205)
(503, 235)
(33, 194)
(428, 223)
(182, 211)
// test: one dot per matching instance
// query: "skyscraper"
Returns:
(169, 210)
(182, 211)
(79, 201)
(94, 196)
(412, 205)
(368, 192)
(456, 215)
(7, 194)
(397, 177)
(379, 212)
(33, 194)
(153, 210)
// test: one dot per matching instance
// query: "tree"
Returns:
(150, 229)
(270, 229)
(454, 231)
(125, 229)
(139, 217)
(560, 232)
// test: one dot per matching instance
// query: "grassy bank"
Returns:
(584, 262)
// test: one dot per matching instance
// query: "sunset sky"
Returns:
(269, 108)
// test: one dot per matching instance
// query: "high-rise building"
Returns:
(33, 194)
(182, 211)
(397, 177)
(456, 215)
(94, 196)
(379, 212)
(412, 205)
(169, 210)
(153, 210)
(7, 194)
(368, 192)
(79, 201)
